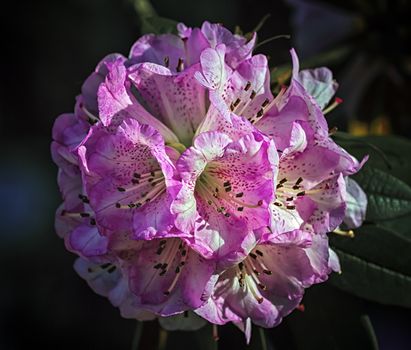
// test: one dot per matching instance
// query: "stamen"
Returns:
(180, 65)
(215, 332)
(83, 198)
(236, 102)
(349, 233)
(166, 61)
(91, 117)
(333, 105)
(332, 131)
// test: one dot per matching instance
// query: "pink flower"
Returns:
(188, 186)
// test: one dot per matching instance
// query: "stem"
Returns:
(263, 339)
(162, 339)
(215, 337)
(137, 336)
(143, 8)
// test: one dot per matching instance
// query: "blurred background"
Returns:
(50, 47)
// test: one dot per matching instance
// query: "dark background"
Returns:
(50, 47)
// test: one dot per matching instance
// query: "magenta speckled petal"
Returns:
(129, 175)
(227, 187)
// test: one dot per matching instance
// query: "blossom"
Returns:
(189, 187)
(269, 283)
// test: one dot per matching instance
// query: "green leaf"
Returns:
(376, 265)
(387, 153)
(150, 22)
(158, 25)
(388, 197)
(332, 320)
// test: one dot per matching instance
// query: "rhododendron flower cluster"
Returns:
(189, 186)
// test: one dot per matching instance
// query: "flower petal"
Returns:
(356, 204)
(165, 49)
(319, 84)
(177, 100)
(129, 175)
(169, 277)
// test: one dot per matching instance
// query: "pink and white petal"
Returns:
(86, 241)
(284, 220)
(225, 239)
(219, 118)
(91, 85)
(112, 94)
(237, 47)
(333, 261)
(102, 278)
(174, 288)
(178, 100)
(314, 165)
(356, 204)
(214, 73)
(328, 203)
(158, 49)
(250, 77)
(319, 83)
(195, 43)
(279, 124)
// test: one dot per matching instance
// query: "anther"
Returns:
(291, 207)
(84, 198)
(92, 222)
(262, 286)
(253, 256)
(248, 85)
(260, 113)
(180, 65)
(253, 94)
(265, 103)
(159, 250)
(239, 195)
(302, 193)
(236, 102)
(268, 272)
(227, 183)
(137, 175)
(121, 189)
(118, 205)
(84, 215)
(259, 252)
(111, 269)
(277, 204)
(167, 61)
(157, 266)
(228, 189)
(299, 180)
(240, 208)
(282, 181)
(260, 203)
